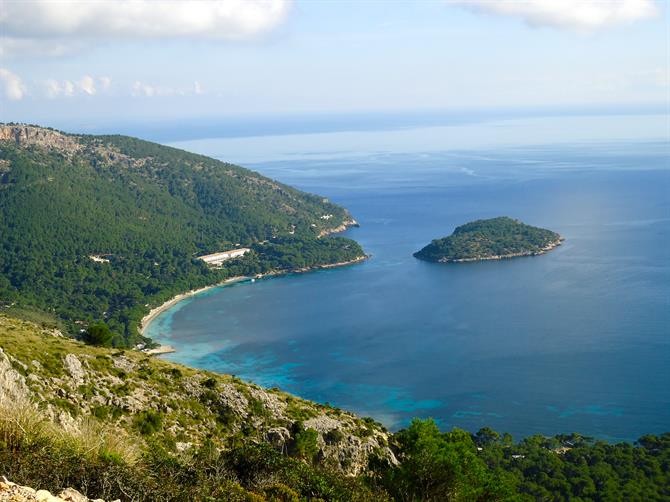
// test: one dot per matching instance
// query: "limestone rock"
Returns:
(12, 383)
(29, 135)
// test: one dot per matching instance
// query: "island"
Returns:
(491, 239)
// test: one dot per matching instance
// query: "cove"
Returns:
(574, 340)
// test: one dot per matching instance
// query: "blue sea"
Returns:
(574, 340)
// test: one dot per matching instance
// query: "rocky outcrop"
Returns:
(31, 135)
(12, 492)
(340, 228)
(12, 384)
(74, 368)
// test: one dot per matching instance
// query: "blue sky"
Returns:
(74, 62)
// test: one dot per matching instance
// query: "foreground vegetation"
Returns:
(146, 211)
(494, 238)
(118, 424)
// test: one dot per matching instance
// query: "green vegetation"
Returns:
(494, 238)
(145, 211)
(98, 334)
(572, 467)
(130, 448)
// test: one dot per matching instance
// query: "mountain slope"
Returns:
(145, 211)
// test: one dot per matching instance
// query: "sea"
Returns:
(576, 340)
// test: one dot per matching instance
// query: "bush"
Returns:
(98, 334)
(148, 422)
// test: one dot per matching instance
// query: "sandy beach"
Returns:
(146, 320)
(155, 312)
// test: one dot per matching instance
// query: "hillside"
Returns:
(118, 424)
(97, 228)
(492, 239)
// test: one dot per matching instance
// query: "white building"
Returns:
(216, 259)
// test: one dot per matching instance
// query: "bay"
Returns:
(574, 340)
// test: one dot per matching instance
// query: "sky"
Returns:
(85, 63)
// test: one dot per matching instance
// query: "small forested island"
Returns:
(491, 239)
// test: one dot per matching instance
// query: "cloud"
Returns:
(141, 89)
(86, 85)
(145, 90)
(34, 26)
(105, 83)
(12, 85)
(583, 15)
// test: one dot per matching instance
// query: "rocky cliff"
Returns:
(25, 135)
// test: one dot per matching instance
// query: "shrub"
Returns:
(148, 422)
(98, 334)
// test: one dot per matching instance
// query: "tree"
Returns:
(441, 466)
(98, 334)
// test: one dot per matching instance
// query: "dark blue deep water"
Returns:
(575, 340)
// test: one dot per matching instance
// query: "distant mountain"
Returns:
(95, 227)
(492, 239)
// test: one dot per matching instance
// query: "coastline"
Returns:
(155, 312)
(546, 249)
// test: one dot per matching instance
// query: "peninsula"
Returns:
(491, 239)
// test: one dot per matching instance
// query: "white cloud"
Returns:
(31, 27)
(52, 88)
(197, 88)
(105, 83)
(86, 85)
(572, 14)
(68, 88)
(12, 85)
(141, 89)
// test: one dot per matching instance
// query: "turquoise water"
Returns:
(575, 340)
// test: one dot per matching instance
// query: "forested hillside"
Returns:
(147, 211)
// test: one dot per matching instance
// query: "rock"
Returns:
(277, 436)
(45, 496)
(12, 384)
(74, 368)
(11, 492)
(29, 135)
(125, 364)
(72, 495)
(233, 398)
(271, 402)
(322, 423)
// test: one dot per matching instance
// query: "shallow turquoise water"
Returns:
(575, 340)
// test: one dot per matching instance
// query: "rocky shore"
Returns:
(547, 248)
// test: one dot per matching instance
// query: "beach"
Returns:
(155, 312)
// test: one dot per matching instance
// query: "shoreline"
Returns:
(544, 250)
(156, 311)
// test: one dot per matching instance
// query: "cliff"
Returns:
(25, 135)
